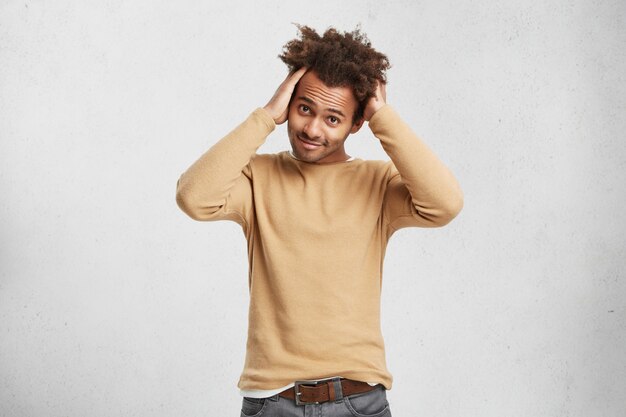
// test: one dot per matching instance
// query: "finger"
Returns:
(296, 75)
(380, 93)
(383, 90)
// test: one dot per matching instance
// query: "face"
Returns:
(320, 120)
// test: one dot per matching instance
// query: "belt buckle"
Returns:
(296, 388)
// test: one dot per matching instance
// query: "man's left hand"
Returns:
(376, 102)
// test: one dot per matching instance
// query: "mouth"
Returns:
(308, 144)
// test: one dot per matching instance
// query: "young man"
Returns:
(317, 223)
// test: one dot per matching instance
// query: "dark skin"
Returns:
(320, 117)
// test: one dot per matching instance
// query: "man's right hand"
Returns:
(278, 106)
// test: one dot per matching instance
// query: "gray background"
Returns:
(114, 303)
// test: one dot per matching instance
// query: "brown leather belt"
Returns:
(315, 392)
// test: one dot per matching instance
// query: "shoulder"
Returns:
(263, 158)
(266, 158)
(372, 171)
(375, 166)
(269, 161)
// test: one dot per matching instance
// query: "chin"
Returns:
(303, 157)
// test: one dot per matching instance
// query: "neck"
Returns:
(348, 158)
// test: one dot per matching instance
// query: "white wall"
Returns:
(113, 303)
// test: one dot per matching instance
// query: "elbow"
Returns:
(187, 205)
(190, 205)
(454, 207)
(448, 210)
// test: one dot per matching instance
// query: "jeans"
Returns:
(369, 404)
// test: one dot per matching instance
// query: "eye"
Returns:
(304, 108)
(333, 120)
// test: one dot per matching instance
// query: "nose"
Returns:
(313, 129)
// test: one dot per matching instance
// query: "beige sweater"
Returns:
(317, 235)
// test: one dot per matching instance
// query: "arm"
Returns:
(421, 190)
(202, 191)
(215, 187)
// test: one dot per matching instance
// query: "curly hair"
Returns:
(340, 60)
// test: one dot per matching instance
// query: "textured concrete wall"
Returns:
(113, 303)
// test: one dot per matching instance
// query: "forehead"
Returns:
(325, 97)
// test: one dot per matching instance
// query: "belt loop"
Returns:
(331, 390)
(338, 390)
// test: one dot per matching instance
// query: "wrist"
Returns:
(371, 110)
(270, 111)
(278, 116)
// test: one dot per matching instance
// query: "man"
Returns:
(317, 223)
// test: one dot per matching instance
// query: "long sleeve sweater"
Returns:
(316, 237)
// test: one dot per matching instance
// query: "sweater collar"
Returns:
(294, 157)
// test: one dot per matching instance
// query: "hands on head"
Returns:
(375, 103)
(278, 106)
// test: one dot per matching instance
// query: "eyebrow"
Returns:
(330, 109)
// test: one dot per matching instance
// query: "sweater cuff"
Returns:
(264, 117)
(381, 119)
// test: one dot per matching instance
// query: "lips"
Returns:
(308, 144)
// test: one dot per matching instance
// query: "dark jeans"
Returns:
(370, 404)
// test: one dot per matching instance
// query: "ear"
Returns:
(356, 125)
